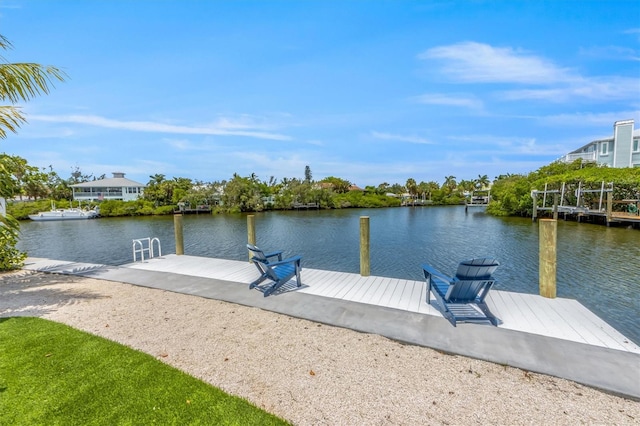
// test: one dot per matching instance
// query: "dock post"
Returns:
(177, 228)
(555, 206)
(609, 207)
(548, 257)
(251, 231)
(534, 211)
(364, 246)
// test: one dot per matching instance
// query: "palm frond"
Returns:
(10, 224)
(10, 119)
(23, 81)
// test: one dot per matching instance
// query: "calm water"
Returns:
(598, 266)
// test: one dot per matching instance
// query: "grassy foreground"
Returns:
(53, 374)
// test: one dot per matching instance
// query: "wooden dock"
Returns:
(561, 318)
(306, 206)
(558, 336)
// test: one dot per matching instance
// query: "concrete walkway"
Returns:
(613, 370)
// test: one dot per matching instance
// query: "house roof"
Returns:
(636, 134)
(117, 181)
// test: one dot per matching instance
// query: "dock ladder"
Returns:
(145, 245)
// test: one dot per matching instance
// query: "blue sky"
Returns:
(369, 91)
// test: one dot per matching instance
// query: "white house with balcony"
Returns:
(116, 188)
(621, 150)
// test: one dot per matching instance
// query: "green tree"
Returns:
(339, 186)
(59, 188)
(482, 182)
(412, 188)
(242, 194)
(180, 188)
(397, 189)
(153, 191)
(19, 82)
(383, 188)
(449, 183)
(307, 174)
(426, 189)
(467, 185)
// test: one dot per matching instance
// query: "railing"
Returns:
(145, 245)
(587, 156)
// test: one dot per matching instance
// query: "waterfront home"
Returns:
(116, 188)
(621, 150)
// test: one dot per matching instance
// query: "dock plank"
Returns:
(366, 292)
(350, 287)
(560, 318)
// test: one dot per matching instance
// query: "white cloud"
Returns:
(472, 62)
(611, 52)
(450, 100)
(613, 88)
(505, 145)
(602, 120)
(634, 31)
(223, 128)
(187, 145)
(401, 138)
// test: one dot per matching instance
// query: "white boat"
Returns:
(66, 214)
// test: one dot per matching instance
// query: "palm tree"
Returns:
(482, 182)
(156, 179)
(21, 82)
(467, 185)
(412, 188)
(450, 183)
(18, 82)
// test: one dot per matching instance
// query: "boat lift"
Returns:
(559, 198)
(477, 198)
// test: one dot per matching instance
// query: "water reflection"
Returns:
(598, 266)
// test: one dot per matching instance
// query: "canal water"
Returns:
(597, 265)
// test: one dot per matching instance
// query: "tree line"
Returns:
(510, 193)
(163, 195)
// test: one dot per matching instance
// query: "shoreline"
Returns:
(305, 372)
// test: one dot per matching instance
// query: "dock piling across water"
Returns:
(251, 231)
(178, 232)
(365, 264)
(548, 257)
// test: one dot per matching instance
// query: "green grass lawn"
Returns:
(53, 374)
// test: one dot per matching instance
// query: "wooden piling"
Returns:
(251, 231)
(555, 206)
(534, 210)
(365, 270)
(548, 257)
(609, 207)
(177, 229)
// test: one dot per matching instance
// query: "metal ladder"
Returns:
(145, 245)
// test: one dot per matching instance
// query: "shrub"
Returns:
(10, 256)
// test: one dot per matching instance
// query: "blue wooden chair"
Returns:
(278, 272)
(261, 255)
(462, 298)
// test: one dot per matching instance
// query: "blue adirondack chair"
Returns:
(462, 298)
(278, 272)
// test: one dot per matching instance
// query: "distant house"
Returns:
(621, 150)
(116, 188)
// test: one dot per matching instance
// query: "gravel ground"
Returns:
(308, 373)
